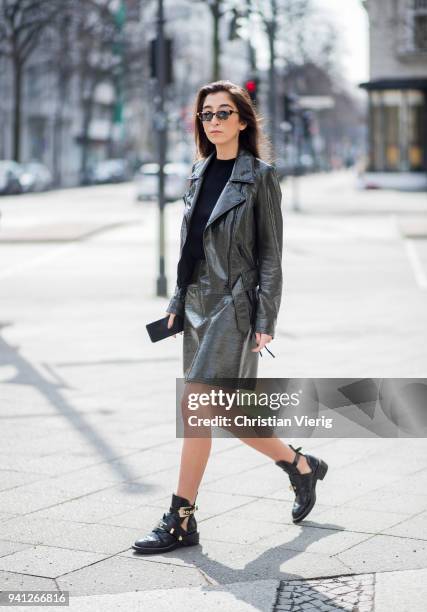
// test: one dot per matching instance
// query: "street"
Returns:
(89, 456)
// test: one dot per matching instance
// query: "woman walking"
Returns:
(229, 286)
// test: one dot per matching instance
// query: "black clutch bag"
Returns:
(157, 330)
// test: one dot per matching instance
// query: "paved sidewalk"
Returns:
(89, 457)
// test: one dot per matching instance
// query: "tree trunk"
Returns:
(216, 70)
(272, 93)
(87, 116)
(17, 92)
(57, 130)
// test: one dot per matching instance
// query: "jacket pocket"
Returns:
(250, 278)
(242, 306)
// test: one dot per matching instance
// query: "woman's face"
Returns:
(221, 132)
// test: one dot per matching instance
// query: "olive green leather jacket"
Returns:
(242, 241)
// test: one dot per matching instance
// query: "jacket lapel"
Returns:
(231, 195)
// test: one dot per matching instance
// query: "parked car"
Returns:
(10, 172)
(110, 171)
(35, 176)
(147, 181)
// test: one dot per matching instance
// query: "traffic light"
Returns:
(168, 60)
(289, 108)
(307, 117)
(251, 86)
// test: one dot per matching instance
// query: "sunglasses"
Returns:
(221, 114)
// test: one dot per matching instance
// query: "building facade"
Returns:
(397, 93)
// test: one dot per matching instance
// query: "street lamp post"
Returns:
(160, 123)
(297, 158)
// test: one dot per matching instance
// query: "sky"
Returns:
(351, 19)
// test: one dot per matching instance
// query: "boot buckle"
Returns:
(184, 511)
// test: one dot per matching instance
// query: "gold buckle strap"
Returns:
(184, 511)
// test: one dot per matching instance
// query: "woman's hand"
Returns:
(171, 320)
(261, 340)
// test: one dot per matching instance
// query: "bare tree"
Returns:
(63, 66)
(103, 54)
(219, 10)
(280, 18)
(22, 23)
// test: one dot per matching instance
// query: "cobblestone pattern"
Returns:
(337, 594)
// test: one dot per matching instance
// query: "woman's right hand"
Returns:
(171, 320)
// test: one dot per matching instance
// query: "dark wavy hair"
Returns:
(251, 138)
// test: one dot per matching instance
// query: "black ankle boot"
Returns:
(168, 533)
(304, 485)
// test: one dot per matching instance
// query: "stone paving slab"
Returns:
(35, 529)
(357, 519)
(121, 574)
(413, 527)
(262, 563)
(257, 596)
(83, 510)
(5, 516)
(57, 232)
(326, 538)
(143, 517)
(7, 548)
(227, 529)
(46, 465)
(47, 561)
(265, 479)
(13, 478)
(224, 562)
(29, 498)
(404, 591)
(108, 539)
(414, 483)
(382, 553)
(386, 500)
(275, 511)
(10, 581)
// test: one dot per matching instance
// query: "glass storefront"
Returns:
(398, 139)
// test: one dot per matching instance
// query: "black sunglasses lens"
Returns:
(208, 115)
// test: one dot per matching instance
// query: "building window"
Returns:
(420, 25)
(385, 133)
(415, 128)
(420, 32)
(397, 130)
(391, 137)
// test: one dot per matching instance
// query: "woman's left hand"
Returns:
(261, 340)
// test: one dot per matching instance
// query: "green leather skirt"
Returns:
(215, 351)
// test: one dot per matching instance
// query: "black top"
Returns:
(214, 179)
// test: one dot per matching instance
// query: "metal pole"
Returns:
(296, 153)
(161, 126)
